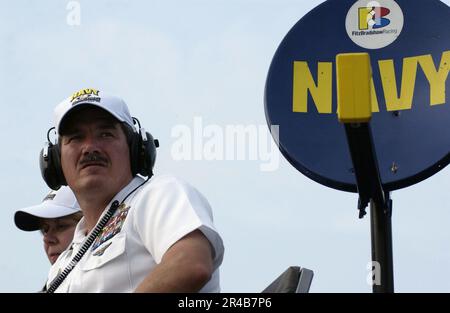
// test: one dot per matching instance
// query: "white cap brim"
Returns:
(28, 219)
(56, 204)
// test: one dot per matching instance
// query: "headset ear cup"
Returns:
(50, 166)
(44, 164)
(59, 174)
(142, 154)
(134, 153)
(149, 155)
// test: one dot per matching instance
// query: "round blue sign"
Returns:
(409, 46)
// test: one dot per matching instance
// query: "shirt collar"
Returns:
(80, 231)
(120, 196)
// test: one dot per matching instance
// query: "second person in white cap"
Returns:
(56, 218)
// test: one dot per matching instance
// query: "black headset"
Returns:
(142, 148)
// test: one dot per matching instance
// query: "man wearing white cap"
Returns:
(137, 235)
(56, 217)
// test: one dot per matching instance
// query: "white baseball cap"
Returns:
(112, 104)
(56, 204)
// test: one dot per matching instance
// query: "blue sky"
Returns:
(175, 61)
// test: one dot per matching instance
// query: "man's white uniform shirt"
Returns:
(134, 240)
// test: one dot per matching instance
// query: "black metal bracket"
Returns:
(365, 165)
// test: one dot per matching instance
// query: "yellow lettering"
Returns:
(92, 92)
(89, 91)
(74, 95)
(374, 99)
(389, 82)
(321, 93)
(438, 78)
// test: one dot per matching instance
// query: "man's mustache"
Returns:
(93, 158)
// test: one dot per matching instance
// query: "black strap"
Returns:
(112, 209)
(60, 278)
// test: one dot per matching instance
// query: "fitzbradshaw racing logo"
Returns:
(372, 26)
(373, 17)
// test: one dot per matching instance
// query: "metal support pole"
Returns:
(381, 237)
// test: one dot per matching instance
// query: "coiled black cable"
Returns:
(112, 209)
(60, 278)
